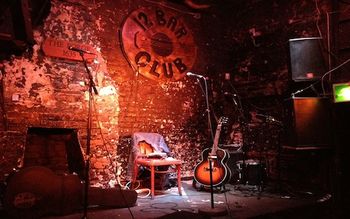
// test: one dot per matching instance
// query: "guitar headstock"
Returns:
(223, 120)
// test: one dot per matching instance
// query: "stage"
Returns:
(240, 201)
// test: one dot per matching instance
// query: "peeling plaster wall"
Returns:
(43, 91)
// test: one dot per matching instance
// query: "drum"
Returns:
(251, 172)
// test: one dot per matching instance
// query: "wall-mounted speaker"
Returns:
(306, 59)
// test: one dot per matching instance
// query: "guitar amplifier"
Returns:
(236, 154)
(307, 122)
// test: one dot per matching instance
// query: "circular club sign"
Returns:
(158, 42)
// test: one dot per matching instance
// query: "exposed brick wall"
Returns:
(12, 148)
(42, 91)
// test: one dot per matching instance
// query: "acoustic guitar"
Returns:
(218, 158)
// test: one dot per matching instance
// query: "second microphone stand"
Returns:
(92, 87)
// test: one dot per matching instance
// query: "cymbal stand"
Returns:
(278, 158)
(243, 128)
(260, 167)
(272, 121)
(243, 174)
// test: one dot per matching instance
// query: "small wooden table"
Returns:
(158, 162)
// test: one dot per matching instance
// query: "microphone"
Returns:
(268, 118)
(298, 91)
(230, 94)
(79, 50)
(195, 75)
(233, 95)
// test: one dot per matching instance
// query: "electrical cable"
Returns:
(109, 154)
(330, 71)
(227, 206)
(141, 191)
(318, 18)
(195, 15)
(160, 207)
(328, 50)
(110, 158)
(322, 79)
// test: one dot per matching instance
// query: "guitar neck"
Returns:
(216, 140)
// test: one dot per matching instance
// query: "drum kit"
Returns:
(250, 170)
(249, 139)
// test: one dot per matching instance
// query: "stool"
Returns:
(152, 163)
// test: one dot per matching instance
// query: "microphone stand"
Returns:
(212, 211)
(92, 86)
(304, 89)
(205, 91)
(244, 129)
(208, 110)
(210, 159)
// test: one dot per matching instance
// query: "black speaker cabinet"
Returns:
(342, 173)
(307, 122)
(306, 59)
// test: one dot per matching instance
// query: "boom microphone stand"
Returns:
(205, 91)
(210, 211)
(92, 86)
(236, 99)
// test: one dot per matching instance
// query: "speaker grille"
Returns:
(306, 59)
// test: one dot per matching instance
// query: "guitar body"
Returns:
(220, 171)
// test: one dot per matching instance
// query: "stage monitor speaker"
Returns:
(342, 153)
(306, 59)
(307, 122)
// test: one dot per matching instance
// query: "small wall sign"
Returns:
(59, 48)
